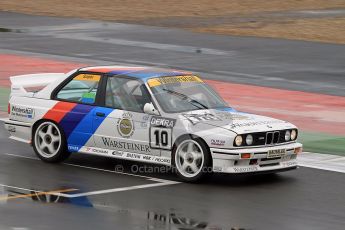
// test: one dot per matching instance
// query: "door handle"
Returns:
(100, 114)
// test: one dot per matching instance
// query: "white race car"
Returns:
(145, 114)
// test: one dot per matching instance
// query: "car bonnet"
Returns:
(235, 121)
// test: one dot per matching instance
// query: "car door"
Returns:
(75, 109)
(126, 129)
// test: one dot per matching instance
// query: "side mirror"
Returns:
(150, 109)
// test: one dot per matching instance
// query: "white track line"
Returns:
(92, 168)
(32, 190)
(321, 161)
(19, 188)
(98, 192)
(114, 190)
(20, 156)
(306, 159)
(332, 169)
(160, 182)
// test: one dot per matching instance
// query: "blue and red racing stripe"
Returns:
(77, 121)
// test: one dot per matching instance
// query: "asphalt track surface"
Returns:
(300, 199)
(108, 194)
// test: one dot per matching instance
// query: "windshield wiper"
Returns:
(185, 97)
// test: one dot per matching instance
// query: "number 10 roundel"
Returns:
(161, 132)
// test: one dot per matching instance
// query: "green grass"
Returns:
(4, 95)
(5, 30)
(323, 143)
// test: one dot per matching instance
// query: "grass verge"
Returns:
(323, 143)
(4, 95)
(311, 20)
(320, 30)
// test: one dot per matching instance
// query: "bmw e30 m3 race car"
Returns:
(145, 114)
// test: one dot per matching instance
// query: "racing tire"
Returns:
(49, 142)
(191, 159)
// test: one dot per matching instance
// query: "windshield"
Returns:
(184, 93)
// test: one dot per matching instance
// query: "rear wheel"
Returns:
(191, 159)
(49, 143)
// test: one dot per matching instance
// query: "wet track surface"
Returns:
(300, 199)
(94, 195)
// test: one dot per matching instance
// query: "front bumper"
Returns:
(230, 161)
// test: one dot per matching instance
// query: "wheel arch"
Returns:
(40, 121)
(62, 152)
(192, 136)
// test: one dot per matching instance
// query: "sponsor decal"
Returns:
(145, 120)
(124, 155)
(217, 169)
(88, 98)
(148, 158)
(22, 112)
(133, 156)
(141, 157)
(73, 148)
(11, 128)
(238, 117)
(162, 160)
(245, 169)
(196, 118)
(217, 142)
(117, 153)
(174, 79)
(94, 150)
(289, 164)
(254, 123)
(224, 115)
(122, 145)
(125, 126)
(276, 153)
(162, 122)
(227, 116)
(87, 77)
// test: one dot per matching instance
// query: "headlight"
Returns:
(249, 139)
(293, 134)
(238, 140)
(287, 135)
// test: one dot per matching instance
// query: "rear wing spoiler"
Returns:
(29, 84)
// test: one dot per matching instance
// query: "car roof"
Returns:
(139, 72)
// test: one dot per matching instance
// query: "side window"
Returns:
(82, 88)
(126, 94)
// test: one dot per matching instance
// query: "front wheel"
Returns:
(49, 143)
(191, 159)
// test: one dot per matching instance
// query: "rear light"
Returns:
(8, 108)
(245, 155)
(298, 150)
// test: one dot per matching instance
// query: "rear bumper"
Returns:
(19, 131)
(230, 161)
